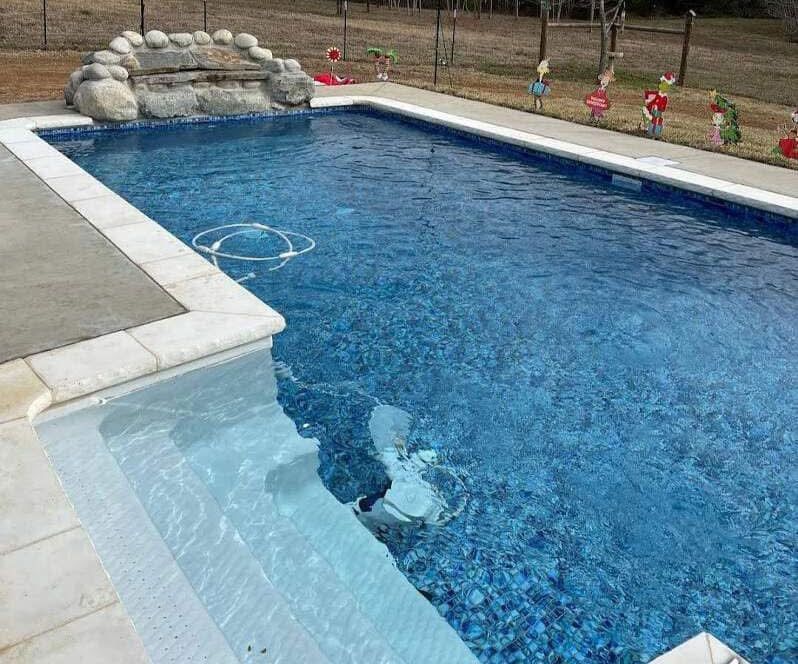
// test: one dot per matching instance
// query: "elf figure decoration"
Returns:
(788, 145)
(725, 124)
(540, 88)
(597, 101)
(382, 61)
(656, 101)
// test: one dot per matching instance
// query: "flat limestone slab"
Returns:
(39, 592)
(33, 504)
(98, 638)
(62, 280)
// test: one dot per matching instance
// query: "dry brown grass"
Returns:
(494, 58)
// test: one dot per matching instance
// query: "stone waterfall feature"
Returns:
(182, 74)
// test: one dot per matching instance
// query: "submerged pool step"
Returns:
(169, 617)
(405, 618)
(220, 483)
(244, 466)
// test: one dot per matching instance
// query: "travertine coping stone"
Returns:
(109, 211)
(218, 293)
(89, 366)
(181, 339)
(22, 393)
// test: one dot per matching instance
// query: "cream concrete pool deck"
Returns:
(168, 307)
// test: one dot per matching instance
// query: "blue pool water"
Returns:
(609, 377)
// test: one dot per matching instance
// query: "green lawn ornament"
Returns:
(383, 60)
(725, 121)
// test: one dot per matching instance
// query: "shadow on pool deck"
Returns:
(62, 281)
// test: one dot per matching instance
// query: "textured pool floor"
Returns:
(608, 376)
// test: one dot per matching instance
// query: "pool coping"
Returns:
(220, 316)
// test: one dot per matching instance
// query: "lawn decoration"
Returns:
(725, 124)
(788, 144)
(656, 101)
(383, 60)
(333, 55)
(540, 88)
(597, 101)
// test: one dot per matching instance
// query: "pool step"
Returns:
(407, 620)
(239, 483)
(250, 613)
(233, 491)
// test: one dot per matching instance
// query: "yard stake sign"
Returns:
(655, 103)
(597, 101)
(541, 87)
(788, 144)
(382, 61)
(725, 124)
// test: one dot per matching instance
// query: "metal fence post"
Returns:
(437, 34)
(44, 22)
(346, 11)
(141, 22)
(205, 15)
(688, 30)
(454, 32)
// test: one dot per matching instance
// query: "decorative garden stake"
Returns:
(725, 124)
(597, 101)
(788, 144)
(383, 60)
(538, 89)
(656, 101)
(333, 55)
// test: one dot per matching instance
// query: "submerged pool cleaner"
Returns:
(227, 232)
(408, 498)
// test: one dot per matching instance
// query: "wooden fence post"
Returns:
(544, 31)
(688, 30)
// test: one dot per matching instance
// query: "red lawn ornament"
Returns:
(789, 147)
(598, 102)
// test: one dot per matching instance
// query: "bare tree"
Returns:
(608, 11)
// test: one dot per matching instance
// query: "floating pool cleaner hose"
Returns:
(216, 248)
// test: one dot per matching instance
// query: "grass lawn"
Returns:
(494, 60)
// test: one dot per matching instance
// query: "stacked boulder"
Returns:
(182, 74)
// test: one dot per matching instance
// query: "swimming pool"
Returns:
(607, 376)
